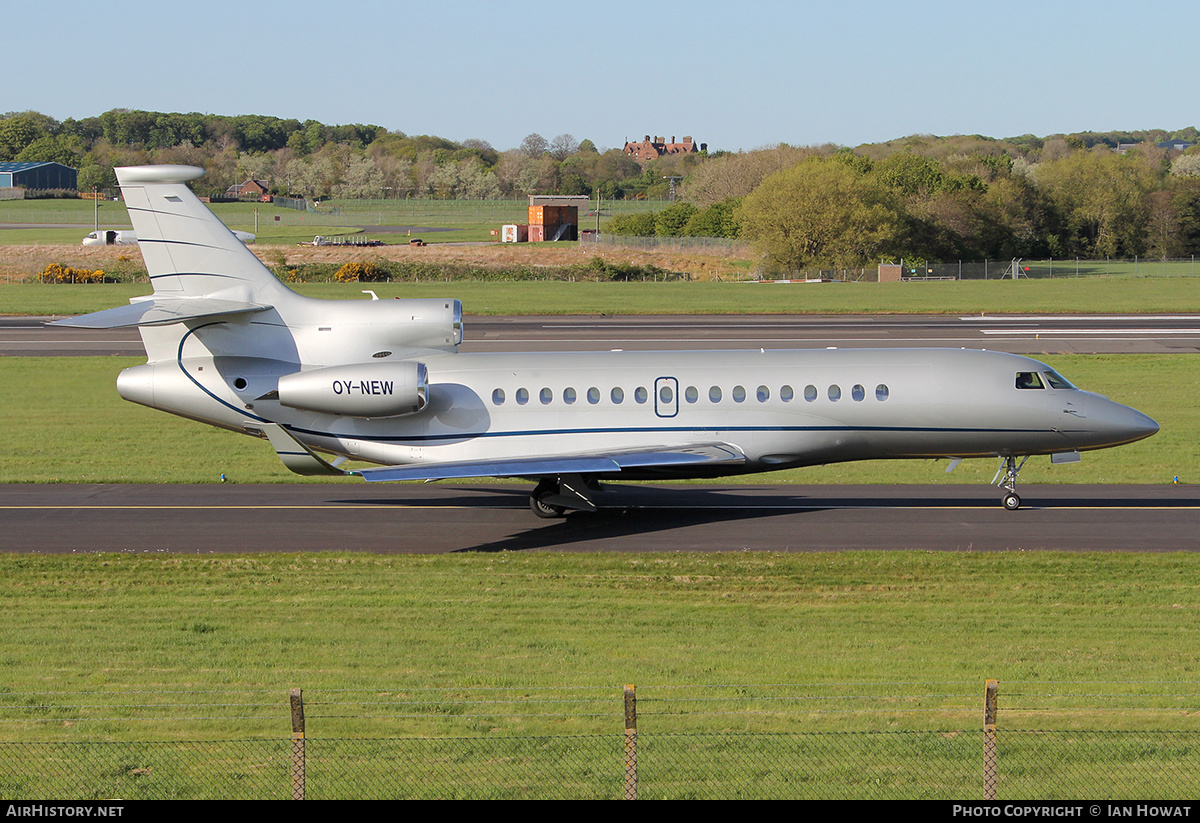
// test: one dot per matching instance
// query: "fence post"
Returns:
(630, 744)
(989, 739)
(297, 702)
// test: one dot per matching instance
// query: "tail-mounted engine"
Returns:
(358, 390)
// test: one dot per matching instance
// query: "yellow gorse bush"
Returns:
(58, 273)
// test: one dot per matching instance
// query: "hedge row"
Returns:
(389, 271)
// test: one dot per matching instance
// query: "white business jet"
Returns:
(382, 381)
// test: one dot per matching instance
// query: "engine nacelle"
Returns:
(358, 390)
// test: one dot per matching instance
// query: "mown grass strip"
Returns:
(116, 641)
(1096, 295)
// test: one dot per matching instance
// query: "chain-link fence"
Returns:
(683, 746)
(1047, 269)
(1062, 765)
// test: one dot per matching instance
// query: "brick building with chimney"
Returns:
(650, 149)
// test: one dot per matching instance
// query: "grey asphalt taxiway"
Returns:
(435, 518)
(449, 518)
(1020, 334)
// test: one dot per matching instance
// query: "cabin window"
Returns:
(522, 396)
(593, 395)
(691, 394)
(786, 394)
(498, 397)
(858, 393)
(714, 394)
(1029, 380)
(545, 396)
(569, 396)
(640, 394)
(665, 395)
(763, 394)
(1057, 381)
(835, 393)
(810, 393)
(618, 395)
(881, 392)
(739, 394)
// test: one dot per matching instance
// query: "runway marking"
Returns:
(385, 506)
(1155, 332)
(981, 318)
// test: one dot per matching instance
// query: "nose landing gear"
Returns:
(1010, 467)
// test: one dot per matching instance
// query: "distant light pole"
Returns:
(95, 211)
(672, 181)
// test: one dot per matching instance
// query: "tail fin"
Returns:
(189, 252)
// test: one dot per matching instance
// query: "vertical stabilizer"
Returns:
(187, 250)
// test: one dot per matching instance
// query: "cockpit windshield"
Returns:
(1033, 380)
(1056, 380)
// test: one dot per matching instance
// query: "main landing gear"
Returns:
(1010, 467)
(555, 496)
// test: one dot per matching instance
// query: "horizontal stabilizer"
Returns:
(159, 311)
(612, 462)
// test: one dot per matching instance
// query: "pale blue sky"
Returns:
(734, 75)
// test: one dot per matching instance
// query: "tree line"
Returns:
(313, 160)
(1113, 194)
(927, 198)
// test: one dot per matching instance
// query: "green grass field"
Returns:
(919, 631)
(1085, 296)
(464, 220)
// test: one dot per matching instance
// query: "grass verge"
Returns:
(1084, 296)
(136, 631)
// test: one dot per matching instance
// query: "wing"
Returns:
(692, 455)
(302, 460)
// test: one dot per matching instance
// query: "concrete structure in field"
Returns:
(34, 176)
(650, 149)
(554, 217)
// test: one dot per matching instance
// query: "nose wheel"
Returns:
(1010, 467)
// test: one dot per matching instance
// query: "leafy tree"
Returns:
(563, 146)
(820, 213)
(638, 224)
(715, 221)
(534, 146)
(670, 221)
(1102, 199)
(736, 175)
(17, 132)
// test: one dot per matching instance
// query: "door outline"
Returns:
(668, 408)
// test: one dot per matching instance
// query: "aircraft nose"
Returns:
(1118, 424)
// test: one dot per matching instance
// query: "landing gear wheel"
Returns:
(541, 508)
(1011, 468)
